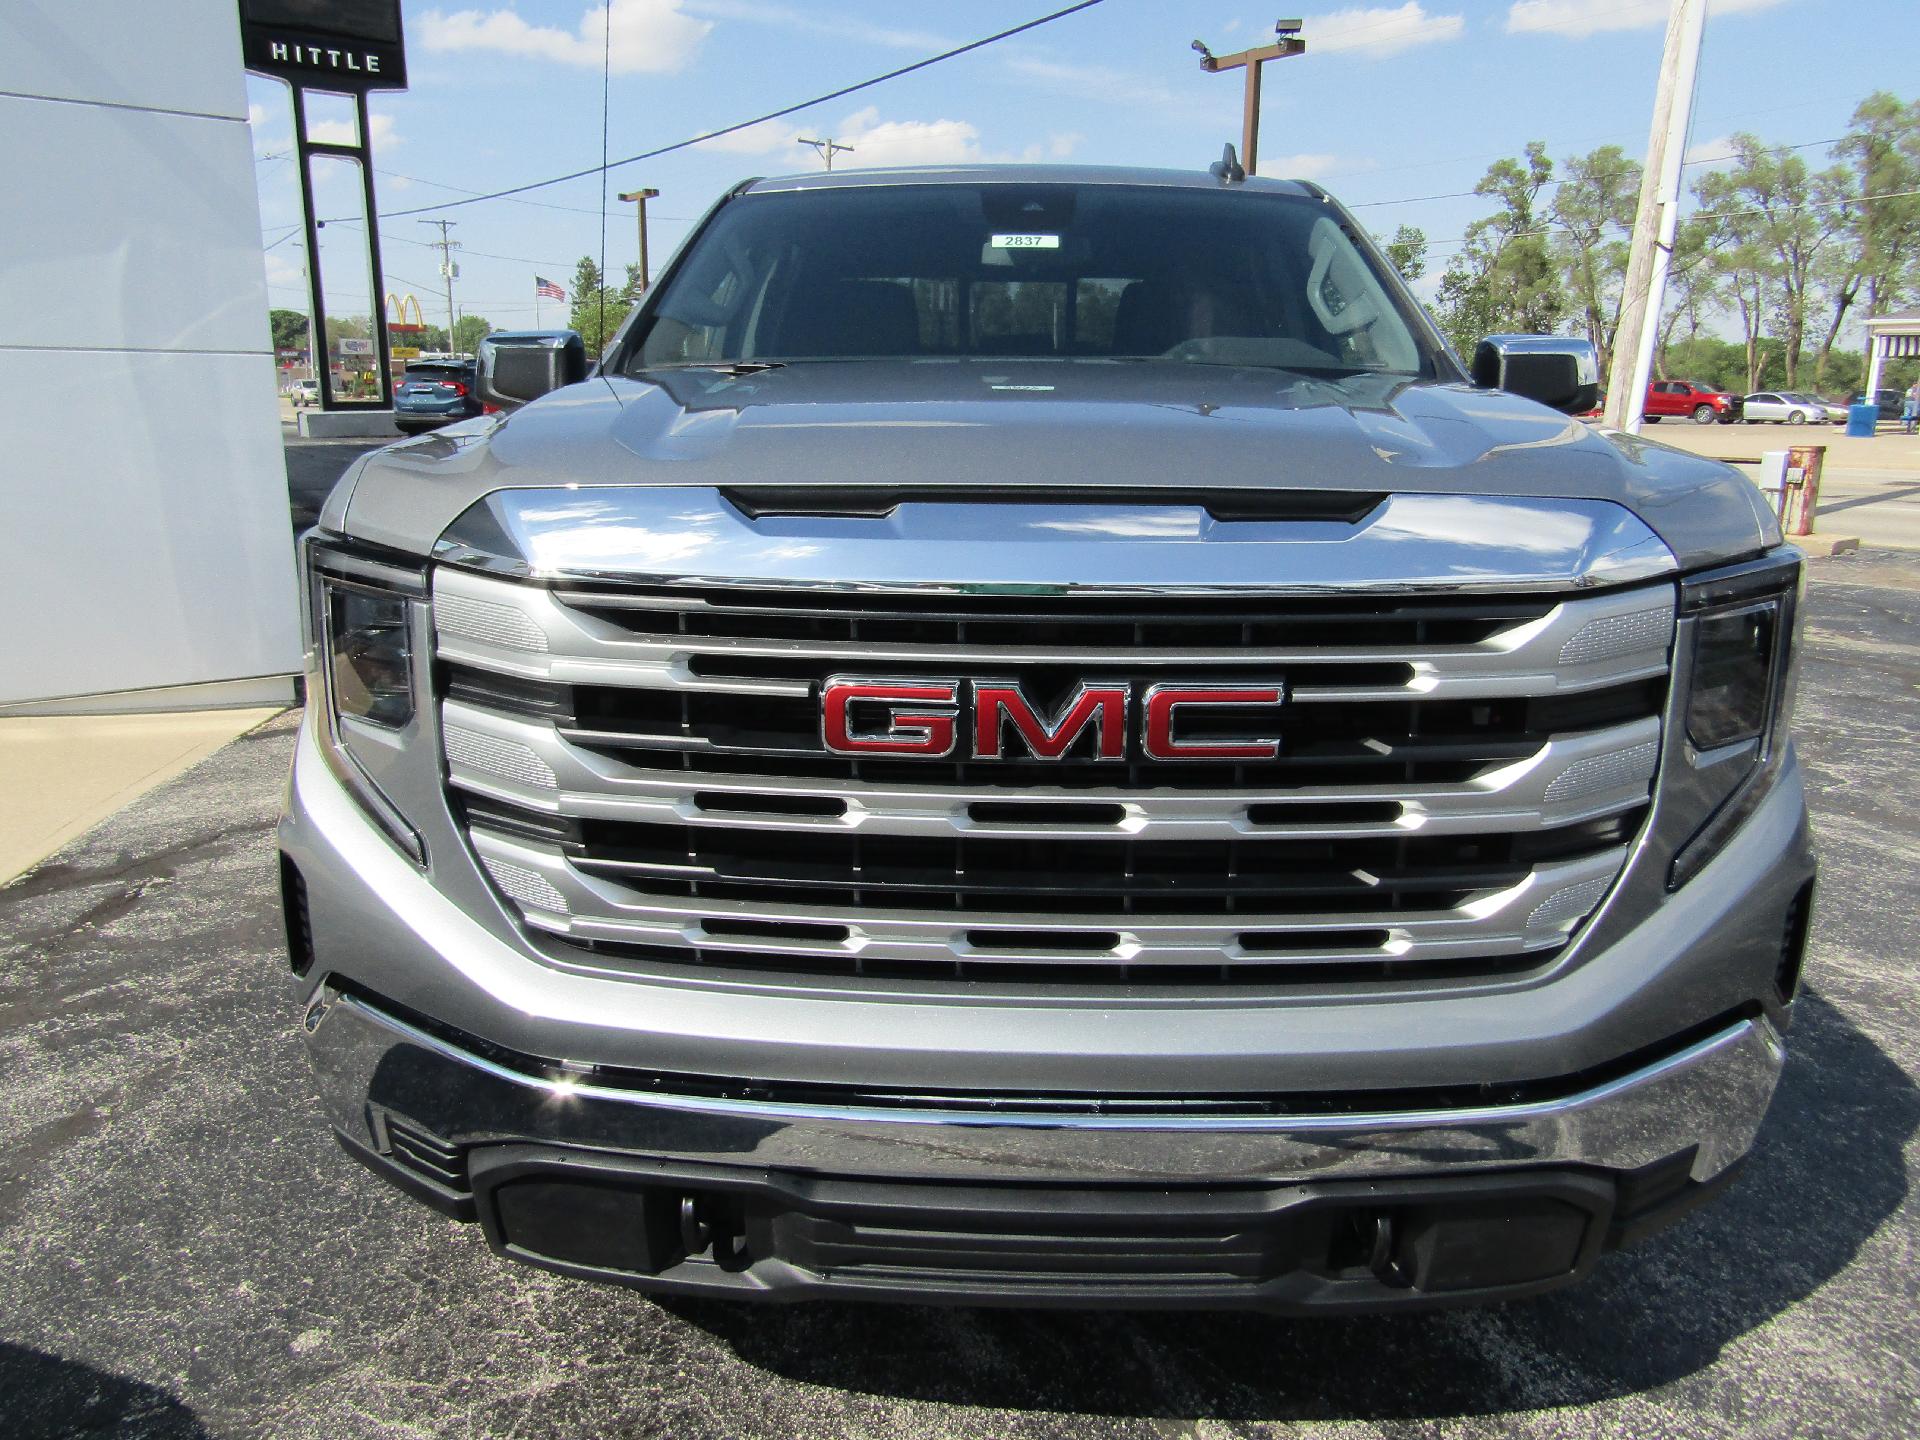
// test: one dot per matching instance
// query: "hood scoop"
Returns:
(764, 502)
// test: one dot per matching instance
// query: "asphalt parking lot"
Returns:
(185, 1252)
(312, 468)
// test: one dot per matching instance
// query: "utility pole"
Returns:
(828, 148)
(640, 198)
(449, 270)
(1656, 221)
(1286, 43)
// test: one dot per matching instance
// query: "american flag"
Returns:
(546, 290)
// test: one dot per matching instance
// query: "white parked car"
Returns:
(1787, 407)
(304, 392)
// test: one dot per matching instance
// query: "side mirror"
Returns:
(1559, 371)
(511, 369)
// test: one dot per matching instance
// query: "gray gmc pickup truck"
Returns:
(1032, 736)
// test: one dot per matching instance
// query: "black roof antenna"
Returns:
(1227, 167)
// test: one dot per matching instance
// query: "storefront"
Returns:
(144, 495)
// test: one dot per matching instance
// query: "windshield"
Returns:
(1013, 270)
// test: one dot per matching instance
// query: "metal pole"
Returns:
(376, 308)
(318, 343)
(1657, 220)
(640, 198)
(1286, 44)
(1250, 121)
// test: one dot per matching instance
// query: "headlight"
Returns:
(1733, 660)
(363, 612)
(1741, 621)
(369, 654)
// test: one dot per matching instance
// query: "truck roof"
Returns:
(1195, 179)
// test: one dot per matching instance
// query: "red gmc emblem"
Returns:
(927, 718)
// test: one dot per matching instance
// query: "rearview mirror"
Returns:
(1559, 371)
(513, 368)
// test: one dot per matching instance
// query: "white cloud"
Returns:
(1103, 84)
(874, 141)
(380, 132)
(256, 115)
(879, 142)
(763, 12)
(285, 270)
(1580, 18)
(650, 36)
(766, 138)
(1380, 30)
(909, 142)
(1058, 146)
(1302, 167)
(1707, 152)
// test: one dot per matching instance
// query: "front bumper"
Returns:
(608, 1177)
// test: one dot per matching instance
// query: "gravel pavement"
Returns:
(184, 1252)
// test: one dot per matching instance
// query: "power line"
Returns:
(481, 195)
(781, 113)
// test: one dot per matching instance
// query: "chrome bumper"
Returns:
(1710, 1094)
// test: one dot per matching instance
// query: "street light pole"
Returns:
(640, 198)
(828, 148)
(1287, 43)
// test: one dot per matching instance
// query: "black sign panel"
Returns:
(349, 45)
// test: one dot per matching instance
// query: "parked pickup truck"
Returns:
(1032, 736)
(1687, 400)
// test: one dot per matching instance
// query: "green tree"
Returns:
(1407, 251)
(1709, 360)
(1503, 279)
(469, 331)
(597, 308)
(1694, 291)
(289, 329)
(1879, 259)
(1593, 211)
(1776, 216)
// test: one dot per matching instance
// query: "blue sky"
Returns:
(1396, 100)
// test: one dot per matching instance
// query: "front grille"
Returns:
(640, 770)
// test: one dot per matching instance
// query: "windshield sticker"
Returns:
(1025, 242)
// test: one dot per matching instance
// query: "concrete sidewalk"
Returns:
(64, 774)
(1888, 451)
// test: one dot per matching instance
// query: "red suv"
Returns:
(1703, 404)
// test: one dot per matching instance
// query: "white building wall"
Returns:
(143, 495)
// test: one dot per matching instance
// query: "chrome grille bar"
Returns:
(570, 724)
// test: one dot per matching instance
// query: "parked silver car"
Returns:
(1789, 407)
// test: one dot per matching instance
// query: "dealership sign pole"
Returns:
(341, 47)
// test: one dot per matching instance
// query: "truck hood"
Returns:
(1046, 426)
